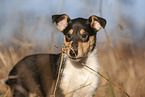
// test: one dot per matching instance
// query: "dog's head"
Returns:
(79, 34)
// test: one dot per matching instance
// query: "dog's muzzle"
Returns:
(73, 53)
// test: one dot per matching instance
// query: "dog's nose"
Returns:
(73, 53)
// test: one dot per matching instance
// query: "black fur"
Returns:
(40, 68)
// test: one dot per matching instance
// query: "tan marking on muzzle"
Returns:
(67, 44)
(33, 95)
(85, 47)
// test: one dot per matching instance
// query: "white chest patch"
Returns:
(80, 82)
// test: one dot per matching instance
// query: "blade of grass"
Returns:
(99, 74)
(55, 87)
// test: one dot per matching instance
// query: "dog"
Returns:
(37, 74)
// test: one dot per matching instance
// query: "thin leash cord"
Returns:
(63, 52)
(58, 73)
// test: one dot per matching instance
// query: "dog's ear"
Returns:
(61, 21)
(97, 22)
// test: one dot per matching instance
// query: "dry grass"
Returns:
(123, 64)
(8, 58)
(131, 79)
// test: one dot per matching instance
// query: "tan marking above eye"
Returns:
(82, 31)
(83, 47)
(71, 31)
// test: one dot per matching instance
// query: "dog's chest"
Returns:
(80, 82)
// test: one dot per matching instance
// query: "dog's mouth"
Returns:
(77, 59)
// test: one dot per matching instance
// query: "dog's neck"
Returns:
(75, 75)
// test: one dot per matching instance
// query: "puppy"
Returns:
(36, 74)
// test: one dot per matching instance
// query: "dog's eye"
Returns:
(69, 35)
(84, 35)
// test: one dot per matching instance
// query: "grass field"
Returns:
(122, 63)
(124, 66)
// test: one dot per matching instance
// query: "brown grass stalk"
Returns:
(99, 74)
(55, 87)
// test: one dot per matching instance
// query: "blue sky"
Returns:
(128, 13)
